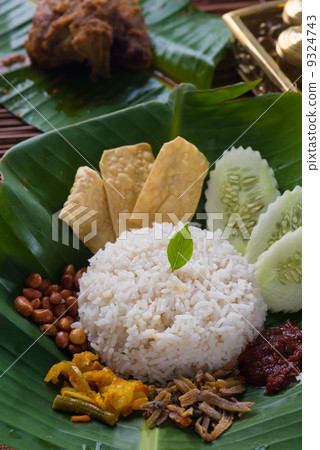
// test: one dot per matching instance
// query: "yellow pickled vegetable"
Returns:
(71, 372)
(93, 384)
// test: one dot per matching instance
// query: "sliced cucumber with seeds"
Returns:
(241, 187)
(283, 215)
(279, 273)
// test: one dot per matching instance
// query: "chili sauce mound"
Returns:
(274, 358)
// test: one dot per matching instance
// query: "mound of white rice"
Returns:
(147, 322)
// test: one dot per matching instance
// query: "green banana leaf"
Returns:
(186, 43)
(38, 174)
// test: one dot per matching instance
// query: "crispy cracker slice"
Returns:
(125, 170)
(86, 210)
(179, 171)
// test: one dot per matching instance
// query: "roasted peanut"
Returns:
(34, 280)
(44, 285)
(71, 320)
(36, 303)
(59, 310)
(77, 277)
(55, 298)
(64, 324)
(41, 316)
(46, 304)
(48, 329)
(72, 348)
(69, 270)
(65, 293)
(78, 336)
(71, 301)
(30, 293)
(72, 305)
(23, 306)
(67, 281)
(52, 288)
(62, 339)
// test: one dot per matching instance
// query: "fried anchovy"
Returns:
(181, 421)
(238, 389)
(211, 412)
(186, 381)
(222, 403)
(225, 422)
(162, 418)
(195, 395)
(151, 421)
(202, 431)
(189, 398)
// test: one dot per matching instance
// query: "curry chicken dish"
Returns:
(98, 32)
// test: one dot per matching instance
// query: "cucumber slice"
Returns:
(241, 187)
(279, 273)
(284, 215)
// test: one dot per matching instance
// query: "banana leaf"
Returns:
(38, 174)
(186, 43)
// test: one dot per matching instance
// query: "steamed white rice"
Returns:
(147, 322)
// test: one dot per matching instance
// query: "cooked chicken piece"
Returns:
(131, 48)
(92, 35)
(65, 31)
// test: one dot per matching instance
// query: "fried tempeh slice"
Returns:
(173, 188)
(125, 170)
(86, 210)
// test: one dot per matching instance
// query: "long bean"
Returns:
(80, 407)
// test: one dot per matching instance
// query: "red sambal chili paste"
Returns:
(274, 358)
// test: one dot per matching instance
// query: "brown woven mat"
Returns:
(13, 130)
